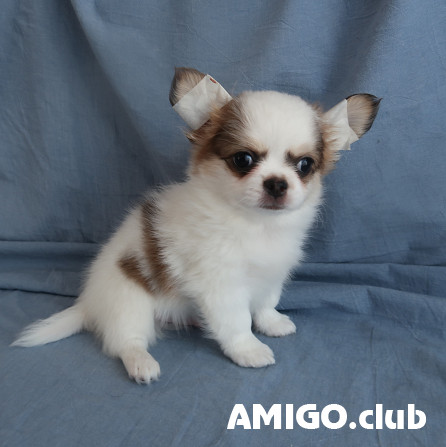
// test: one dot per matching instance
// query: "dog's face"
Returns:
(268, 151)
(256, 156)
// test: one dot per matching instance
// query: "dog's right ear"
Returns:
(184, 80)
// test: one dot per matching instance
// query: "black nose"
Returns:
(275, 187)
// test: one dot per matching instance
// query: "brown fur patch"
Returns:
(222, 137)
(160, 278)
(132, 269)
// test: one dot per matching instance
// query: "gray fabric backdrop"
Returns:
(86, 128)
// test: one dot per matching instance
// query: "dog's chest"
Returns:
(269, 254)
(206, 242)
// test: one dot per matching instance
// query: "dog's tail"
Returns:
(58, 326)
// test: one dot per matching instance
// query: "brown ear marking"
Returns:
(327, 140)
(184, 80)
(362, 109)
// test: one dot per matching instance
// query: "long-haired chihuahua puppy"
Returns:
(218, 247)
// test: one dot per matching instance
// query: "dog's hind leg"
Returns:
(126, 325)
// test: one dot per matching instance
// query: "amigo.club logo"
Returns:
(332, 416)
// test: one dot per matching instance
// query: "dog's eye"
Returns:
(304, 166)
(243, 161)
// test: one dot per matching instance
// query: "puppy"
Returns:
(218, 247)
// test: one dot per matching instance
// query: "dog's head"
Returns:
(266, 150)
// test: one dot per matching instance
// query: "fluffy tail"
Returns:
(58, 326)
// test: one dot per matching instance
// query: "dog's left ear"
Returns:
(349, 120)
(195, 97)
(184, 80)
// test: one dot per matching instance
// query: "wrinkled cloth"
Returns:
(86, 128)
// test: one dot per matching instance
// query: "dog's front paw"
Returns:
(140, 366)
(274, 324)
(251, 353)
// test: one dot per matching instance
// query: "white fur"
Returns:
(227, 256)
